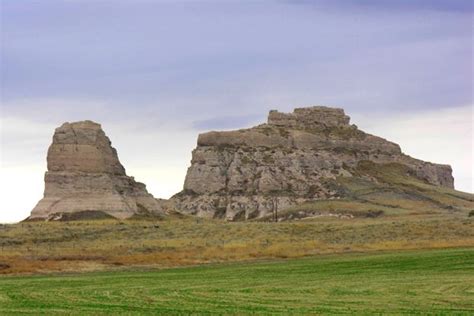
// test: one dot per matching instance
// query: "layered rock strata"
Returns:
(84, 174)
(293, 158)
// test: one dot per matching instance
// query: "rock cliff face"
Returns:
(294, 158)
(85, 175)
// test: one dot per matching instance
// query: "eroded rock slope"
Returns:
(85, 175)
(292, 159)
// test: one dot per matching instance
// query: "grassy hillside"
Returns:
(383, 189)
(411, 282)
(385, 208)
(42, 247)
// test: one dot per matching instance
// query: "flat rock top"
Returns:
(309, 117)
(83, 147)
(314, 127)
(82, 124)
(83, 132)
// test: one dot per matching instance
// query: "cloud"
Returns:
(22, 188)
(226, 122)
(215, 56)
(459, 6)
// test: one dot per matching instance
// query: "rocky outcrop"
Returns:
(294, 158)
(85, 175)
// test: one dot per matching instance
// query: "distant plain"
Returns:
(411, 282)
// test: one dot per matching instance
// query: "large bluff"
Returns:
(84, 174)
(293, 158)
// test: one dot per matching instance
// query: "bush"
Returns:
(471, 213)
(4, 266)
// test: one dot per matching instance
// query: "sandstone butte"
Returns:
(294, 158)
(85, 175)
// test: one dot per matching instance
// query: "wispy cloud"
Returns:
(134, 55)
(459, 6)
(226, 122)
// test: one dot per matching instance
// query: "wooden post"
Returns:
(275, 209)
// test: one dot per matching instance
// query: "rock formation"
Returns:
(85, 175)
(292, 159)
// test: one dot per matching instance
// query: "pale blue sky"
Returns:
(178, 68)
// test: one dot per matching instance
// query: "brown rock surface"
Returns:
(85, 174)
(292, 159)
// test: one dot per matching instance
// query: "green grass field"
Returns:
(413, 282)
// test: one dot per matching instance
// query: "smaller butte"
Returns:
(85, 176)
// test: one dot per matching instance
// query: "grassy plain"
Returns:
(410, 282)
(44, 247)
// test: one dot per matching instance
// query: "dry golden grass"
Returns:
(41, 247)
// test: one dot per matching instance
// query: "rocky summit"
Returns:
(294, 158)
(86, 177)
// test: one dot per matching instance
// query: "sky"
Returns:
(155, 74)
